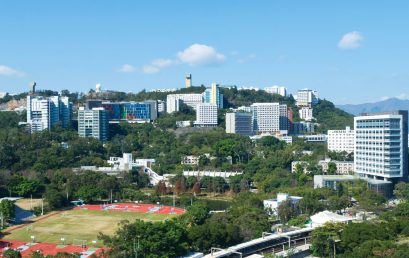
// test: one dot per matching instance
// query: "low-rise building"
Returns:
(280, 90)
(303, 164)
(332, 181)
(343, 167)
(190, 160)
(341, 140)
(272, 205)
(182, 124)
(202, 173)
(314, 137)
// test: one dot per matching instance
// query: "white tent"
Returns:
(323, 217)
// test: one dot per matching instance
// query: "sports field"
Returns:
(84, 224)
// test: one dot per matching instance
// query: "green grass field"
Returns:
(78, 225)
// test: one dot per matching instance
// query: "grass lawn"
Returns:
(78, 225)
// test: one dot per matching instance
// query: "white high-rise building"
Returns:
(93, 123)
(239, 123)
(213, 95)
(45, 112)
(161, 106)
(307, 98)
(381, 141)
(306, 113)
(270, 117)
(173, 101)
(276, 90)
(341, 140)
(206, 115)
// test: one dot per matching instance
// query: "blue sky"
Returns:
(349, 51)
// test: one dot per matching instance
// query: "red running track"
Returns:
(26, 249)
(132, 207)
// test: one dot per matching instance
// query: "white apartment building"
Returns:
(276, 90)
(341, 140)
(45, 112)
(306, 113)
(306, 98)
(239, 123)
(269, 117)
(381, 141)
(173, 101)
(206, 115)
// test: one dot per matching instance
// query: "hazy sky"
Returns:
(349, 51)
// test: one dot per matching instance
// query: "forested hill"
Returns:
(330, 117)
(326, 114)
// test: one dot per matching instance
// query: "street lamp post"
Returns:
(136, 247)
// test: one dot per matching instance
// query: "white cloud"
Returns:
(403, 96)
(150, 69)
(8, 71)
(195, 55)
(198, 54)
(127, 68)
(160, 63)
(351, 40)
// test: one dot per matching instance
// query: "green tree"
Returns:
(324, 239)
(401, 191)
(54, 198)
(7, 209)
(11, 253)
(197, 213)
(286, 211)
(332, 168)
(153, 240)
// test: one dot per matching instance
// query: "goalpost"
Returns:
(79, 242)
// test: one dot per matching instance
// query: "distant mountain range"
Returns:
(381, 106)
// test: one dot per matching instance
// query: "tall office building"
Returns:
(173, 101)
(307, 98)
(276, 90)
(93, 123)
(213, 95)
(188, 80)
(239, 123)
(206, 115)
(46, 112)
(341, 140)
(65, 112)
(266, 117)
(271, 117)
(381, 152)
